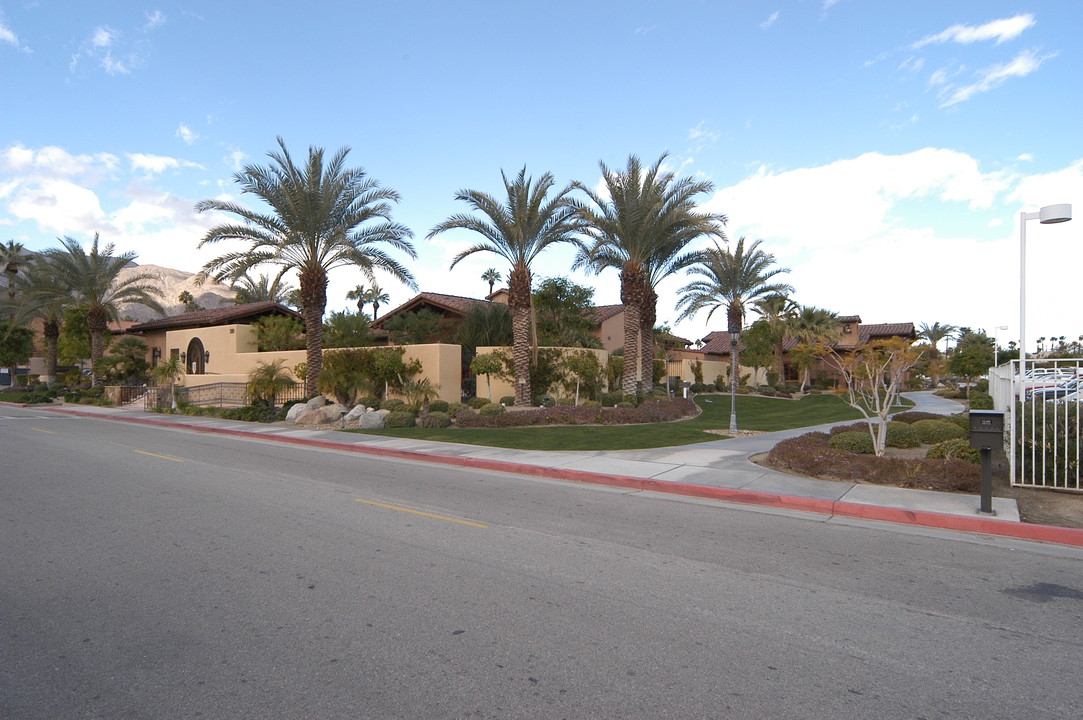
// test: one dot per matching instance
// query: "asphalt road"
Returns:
(152, 573)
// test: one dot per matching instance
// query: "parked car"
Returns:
(1057, 391)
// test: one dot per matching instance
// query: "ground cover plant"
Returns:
(764, 414)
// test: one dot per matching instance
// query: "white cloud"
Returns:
(187, 134)
(994, 76)
(155, 164)
(1025, 157)
(770, 20)
(999, 30)
(103, 37)
(700, 132)
(7, 35)
(52, 161)
(154, 19)
(57, 206)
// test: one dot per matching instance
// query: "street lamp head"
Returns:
(1052, 214)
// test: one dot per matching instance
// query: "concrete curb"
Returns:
(981, 525)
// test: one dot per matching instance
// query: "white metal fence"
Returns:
(1043, 420)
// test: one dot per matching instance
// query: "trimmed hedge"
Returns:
(852, 442)
(507, 400)
(397, 419)
(901, 435)
(436, 419)
(649, 412)
(477, 402)
(934, 431)
(490, 409)
(439, 406)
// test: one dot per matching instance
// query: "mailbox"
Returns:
(986, 429)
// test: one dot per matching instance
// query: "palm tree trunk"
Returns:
(51, 331)
(520, 307)
(647, 317)
(314, 302)
(97, 323)
(632, 291)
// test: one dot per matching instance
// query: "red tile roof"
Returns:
(718, 342)
(233, 314)
(453, 304)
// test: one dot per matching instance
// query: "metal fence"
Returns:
(1044, 410)
(220, 395)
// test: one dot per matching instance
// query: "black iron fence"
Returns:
(220, 395)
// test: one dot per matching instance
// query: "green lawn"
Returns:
(753, 413)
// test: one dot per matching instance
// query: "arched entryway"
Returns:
(195, 363)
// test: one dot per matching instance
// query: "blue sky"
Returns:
(882, 151)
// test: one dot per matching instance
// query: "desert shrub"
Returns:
(912, 416)
(980, 401)
(248, 413)
(610, 399)
(396, 419)
(902, 435)
(411, 408)
(436, 419)
(982, 385)
(962, 420)
(370, 401)
(934, 431)
(700, 388)
(648, 412)
(634, 399)
(957, 449)
(439, 406)
(544, 401)
(507, 400)
(566, 402)
(852, 442)
(852, 427)
(454, 408)
(591, 404)
(624, 404)
(477, 402)
(492, 409)
(392, 404)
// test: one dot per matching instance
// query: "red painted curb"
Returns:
(981, 525)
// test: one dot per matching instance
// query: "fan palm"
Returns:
(933, 334)
(93, 280)
(375, 295)
(518, 230)
(322, 216)
(641, 226)
(731, 280)
(359, 294)
(492, 276)
(11, 260)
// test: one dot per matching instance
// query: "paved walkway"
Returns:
(720, 469)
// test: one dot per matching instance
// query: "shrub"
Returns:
(633, 399)
(957, 449)
(566, 402)
(962, 420)
(507, 400)
(412, 409)
(436, 419)
(648, 412)
(852, 442)
(982, 385)
(610, 399)
(699, 388)
(912, 416)
(591, 404)
(901, 435)
(477, 402)
(454, 408)
(370, 401)
(980, 401)
(544, 401)
(624, 404)
(392, 404)
(934, 431)
(492, 409)
(248, 413)
(397, 419)
(439, 406)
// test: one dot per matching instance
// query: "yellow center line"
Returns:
(51, 432)
(425, 514)
(163, 457)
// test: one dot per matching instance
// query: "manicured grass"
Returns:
(753, 413)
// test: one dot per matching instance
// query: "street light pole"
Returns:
(1048, 215)
(996, 344)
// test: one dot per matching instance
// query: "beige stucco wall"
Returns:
(611, 332)
(712, 369)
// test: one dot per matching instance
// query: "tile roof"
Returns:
(718, 342)
(601, 313)
(231, 314)
(453, 303)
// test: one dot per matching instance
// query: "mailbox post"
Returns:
(986, 432)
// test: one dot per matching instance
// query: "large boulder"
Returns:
(358, 411)
(372, 420)
(333, 413)
(295, 412)
(316, 403)
(309, 418)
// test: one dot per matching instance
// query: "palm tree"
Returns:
(933, 334)
(492, 276)
(641, 227)
(11, 258)
(518, 230)
(376, 295)
(731, 280)
(778, 312)
(246, 290)
(44, 298)
(93, 279)
(168, 371)
(811, 326)
(359, 294)
(322, 216)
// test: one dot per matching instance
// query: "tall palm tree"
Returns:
(246, 290)
(322, 216)
(518, 230)
(11, 260)
(811, 325)
(641, 226)
(359, 293)
(933, 334)
(778, 312)
(93, 279)
(376, 296)
(492, 276)
(731, 280)
(43, 297)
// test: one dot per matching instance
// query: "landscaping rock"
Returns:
(316, 403)
(295, 412)
(311, 418)
(372, 420)
(333, 413)
(357, 412)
